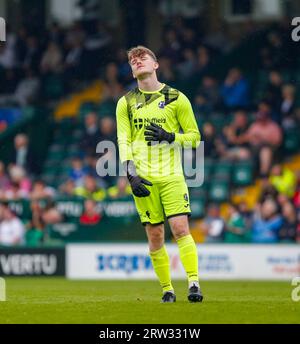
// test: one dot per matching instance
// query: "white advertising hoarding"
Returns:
(131, 261)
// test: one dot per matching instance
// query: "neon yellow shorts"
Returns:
(168, 198)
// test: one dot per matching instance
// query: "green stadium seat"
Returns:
(243, 173)
(56, 155)
(208, 169)
(291, 140)
(49, 174)
(219, 122)
(56, 147)
(85, 108)
(53, 87)
(198, 193)
(77, 134)
(107, 108)
(263, 78)
(64, 170)
(197, 208)
(218, 191)
(72, 150)
(222, 169)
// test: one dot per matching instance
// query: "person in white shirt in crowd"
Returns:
(12, 230)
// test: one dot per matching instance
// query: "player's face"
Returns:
(143, 65)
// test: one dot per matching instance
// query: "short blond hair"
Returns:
(139, 51)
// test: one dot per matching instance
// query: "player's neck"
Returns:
(149, 83)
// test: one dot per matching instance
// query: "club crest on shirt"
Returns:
(161, 104)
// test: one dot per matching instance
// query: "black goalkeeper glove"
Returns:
(157, 134)
(137, 183)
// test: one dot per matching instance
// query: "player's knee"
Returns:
(155, 235)
(181, 233)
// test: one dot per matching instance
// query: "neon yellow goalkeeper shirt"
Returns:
(166, 107)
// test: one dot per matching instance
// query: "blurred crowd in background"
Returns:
(254, 126)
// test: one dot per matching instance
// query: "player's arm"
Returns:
(187, 121)
(124, 142)
(123, 131)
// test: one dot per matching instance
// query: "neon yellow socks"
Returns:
(161, 265)
(189, 257)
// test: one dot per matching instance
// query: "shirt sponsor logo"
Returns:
(140, 122)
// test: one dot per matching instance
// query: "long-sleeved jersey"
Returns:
(166, 107)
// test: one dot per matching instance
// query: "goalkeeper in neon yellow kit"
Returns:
(149, 119)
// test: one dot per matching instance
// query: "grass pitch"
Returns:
(57, 300)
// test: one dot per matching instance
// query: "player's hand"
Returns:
(136, 182)
(156, 133)
(138, 186)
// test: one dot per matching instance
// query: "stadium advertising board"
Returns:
(32, 262)
(131, 261)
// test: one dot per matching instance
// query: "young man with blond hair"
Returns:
(149, 120)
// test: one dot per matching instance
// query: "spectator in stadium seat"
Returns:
(91, 215)
(273, 92)
(22, 154)
(7, 56)
(26, 92)
(296, 198)
(28, 88)
(12, 230)
(236, 230)
(268, 191)
(35, 227)
(32, 56)
(211, 144)
(171, 47)
(41, 191)
(10, 81)
(274, 54)
(124, 70)
(288, 104)
(213, 225)
(235, 90)
(113, 88)
(90, 190)
(203, 61)
(166, 72)
(107, 130)
(4, 181)
(209, 89)
(298, 232)
(188, 38)
(288, 231)
(236, 149)
(20, 184)
(78, 171)
(187, 67)
(91, 134)
(121, 190)
(52, 59)
(246, 214)
(283, 179)
(201, 107)
(55, 34)
(264, 137)
(73, 61)
(218, 38)
(267, 223)
(67, 188)
(51, 214)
